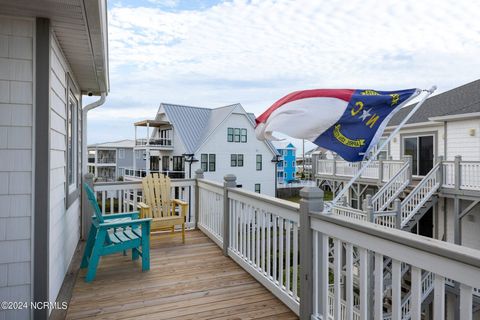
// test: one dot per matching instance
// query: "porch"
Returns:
(274, 253)
(191, 281)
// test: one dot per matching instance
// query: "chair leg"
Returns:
(135, 254)
(92, 266)
(88, 247)
(146, 247)
(183, 233)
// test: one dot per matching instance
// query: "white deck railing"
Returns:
(376, 170)
(461, 175)
(123, 196)
(264, 235)
(392, 189)
(440, 258)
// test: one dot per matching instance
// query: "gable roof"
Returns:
(460, 100)
(195, 124)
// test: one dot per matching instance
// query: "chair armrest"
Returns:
(145, 210)
(133, 215)
(180, 202)
(121, 224)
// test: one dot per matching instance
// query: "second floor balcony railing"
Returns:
(158, 142)
(141, 173)
(320, 266)
(105, 160)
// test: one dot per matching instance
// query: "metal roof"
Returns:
(194, 125)
(460, 100)
(151, 123)
(127, 143)
(80, 27)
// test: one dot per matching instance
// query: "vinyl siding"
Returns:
(64, 223)
(16, 165)
(461, 142)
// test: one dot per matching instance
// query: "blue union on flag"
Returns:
(346, 121)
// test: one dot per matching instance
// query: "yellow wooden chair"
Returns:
(158, 205)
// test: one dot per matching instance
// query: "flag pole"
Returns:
(344, 190)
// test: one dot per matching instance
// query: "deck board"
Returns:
(191, 281)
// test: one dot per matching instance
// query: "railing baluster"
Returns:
(349, 280)
(416, 293)
(287, 255)
(396, 290)
(337, 271)
(378, 305)
(103, 201)
(280, 249)
(465, 302)
(275, 239)
(439, 298)
(295, 259)
(258, 237)
(269, 226)
(363, 284)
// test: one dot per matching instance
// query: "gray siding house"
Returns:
(51, 53)
(107, 160)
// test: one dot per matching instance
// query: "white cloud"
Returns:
(254, 52)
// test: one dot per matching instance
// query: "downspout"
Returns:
(85, 214)
(85, 110)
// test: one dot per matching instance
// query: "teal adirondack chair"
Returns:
(114, 233)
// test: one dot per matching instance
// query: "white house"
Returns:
(105, 159)
(220, 141)
(51, 53)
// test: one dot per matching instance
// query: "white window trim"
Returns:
(74, 138)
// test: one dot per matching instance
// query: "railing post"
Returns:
(312, 201)
(370, 215)
(87, 208)
(458, 176)
(198, 175)
(397, 205)
(440, 170)
(409, 159)
(230, 181)
(380, 171)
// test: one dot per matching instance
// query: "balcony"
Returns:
(167, 143)
(106, 160)
(280, 260)
(141, 173)
(157, 134)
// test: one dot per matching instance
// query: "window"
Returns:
(207, 162)
(243, 135)
(236, 160)
(204, 162)
(237, 135)
(240, 160)
(211, 162)
(178, 163)
(293, 164)
(121, 153)
(72, 143)
(257, 187)
(259, 162)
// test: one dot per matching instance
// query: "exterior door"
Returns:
(421, 148)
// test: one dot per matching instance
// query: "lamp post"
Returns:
(276, 160)
(190, 158)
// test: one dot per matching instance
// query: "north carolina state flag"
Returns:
(347, 121)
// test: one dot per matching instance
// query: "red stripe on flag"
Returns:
(343, 94)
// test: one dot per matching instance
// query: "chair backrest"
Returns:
(157, 194)
(93, 202)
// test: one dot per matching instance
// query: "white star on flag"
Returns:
(365, 114)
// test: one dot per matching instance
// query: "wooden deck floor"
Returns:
(191, 281)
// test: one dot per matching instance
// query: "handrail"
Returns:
(429, 181)
(389, 191)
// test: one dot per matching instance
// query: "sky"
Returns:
(216, 53)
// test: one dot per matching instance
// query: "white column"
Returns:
(148, 134)
(147, 160)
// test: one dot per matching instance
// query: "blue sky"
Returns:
(214, 53)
